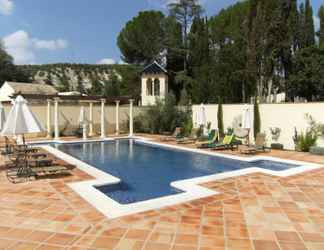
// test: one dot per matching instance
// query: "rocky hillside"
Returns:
(82, 77)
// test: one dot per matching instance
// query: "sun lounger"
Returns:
(227, 143)
(50, 170)
(15, 175)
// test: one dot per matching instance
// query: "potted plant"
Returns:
(275, 134)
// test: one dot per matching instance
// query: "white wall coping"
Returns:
(192, 190)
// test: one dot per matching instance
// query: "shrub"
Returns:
(257, 119)
(164, 116)
(306, 141)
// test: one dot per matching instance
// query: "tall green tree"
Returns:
(257, 118)
(321, 31)
(8, 71)
(141, 40)
(301, 21)
(112, 86)
(220, 121)
(185, 11)
(293, 25)
(307, 80)
(309, 25)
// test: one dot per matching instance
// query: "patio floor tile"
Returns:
(255, 211)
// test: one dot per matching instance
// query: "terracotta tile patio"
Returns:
(255, 211)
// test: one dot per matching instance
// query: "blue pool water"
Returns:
(146, 171)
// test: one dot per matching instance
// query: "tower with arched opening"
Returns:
(154, 84)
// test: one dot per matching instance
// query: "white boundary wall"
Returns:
(286, 116)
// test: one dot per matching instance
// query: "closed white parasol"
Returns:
(21, 120)
(202, 118)
(247, 121)
(246, 118)
(83, 122)
(2, 116)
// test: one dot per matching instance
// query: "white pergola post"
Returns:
(131, 120)
(48, 123)
(56, 119)
(117, 117)
(103, 101)
(91, 119)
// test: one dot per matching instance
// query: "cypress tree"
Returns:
(321, 31)
(309, 25)
(257, 119)
(220, 117)
(293, 25)
(302, 36)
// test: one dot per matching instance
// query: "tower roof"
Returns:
(154, 68)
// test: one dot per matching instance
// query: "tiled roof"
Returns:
(32, 88)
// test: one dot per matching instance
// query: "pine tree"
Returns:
(309, 25)
(185, 11)
(321, 31)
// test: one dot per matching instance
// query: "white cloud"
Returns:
(6, 7)
(122, 62)
(50, 44)
(19, 45)
(106, 61)
(23, 48)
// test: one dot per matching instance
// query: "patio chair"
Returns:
(8, 146)
(259, 147)
(227, 143)
(176, 134)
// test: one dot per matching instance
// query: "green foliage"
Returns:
(321, 31)
(8, 71)
(141, 40)
(314, 126)
(129, 77)
(184, 12)
(112, 86)
(165, 116)
(257, 118)
(96, 88)
(309, 25)
(220, 121)
(306, 141)
(306, 79)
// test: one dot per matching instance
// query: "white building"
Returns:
(9, 89)
(154, 84)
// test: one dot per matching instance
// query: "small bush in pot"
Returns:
(306, 140)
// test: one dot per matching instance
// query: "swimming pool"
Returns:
(146, 170)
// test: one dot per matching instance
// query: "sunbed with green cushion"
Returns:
(212, 138)
(227, 143)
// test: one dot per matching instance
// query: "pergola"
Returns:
(56, 99)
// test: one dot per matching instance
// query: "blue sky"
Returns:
(81, 31)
